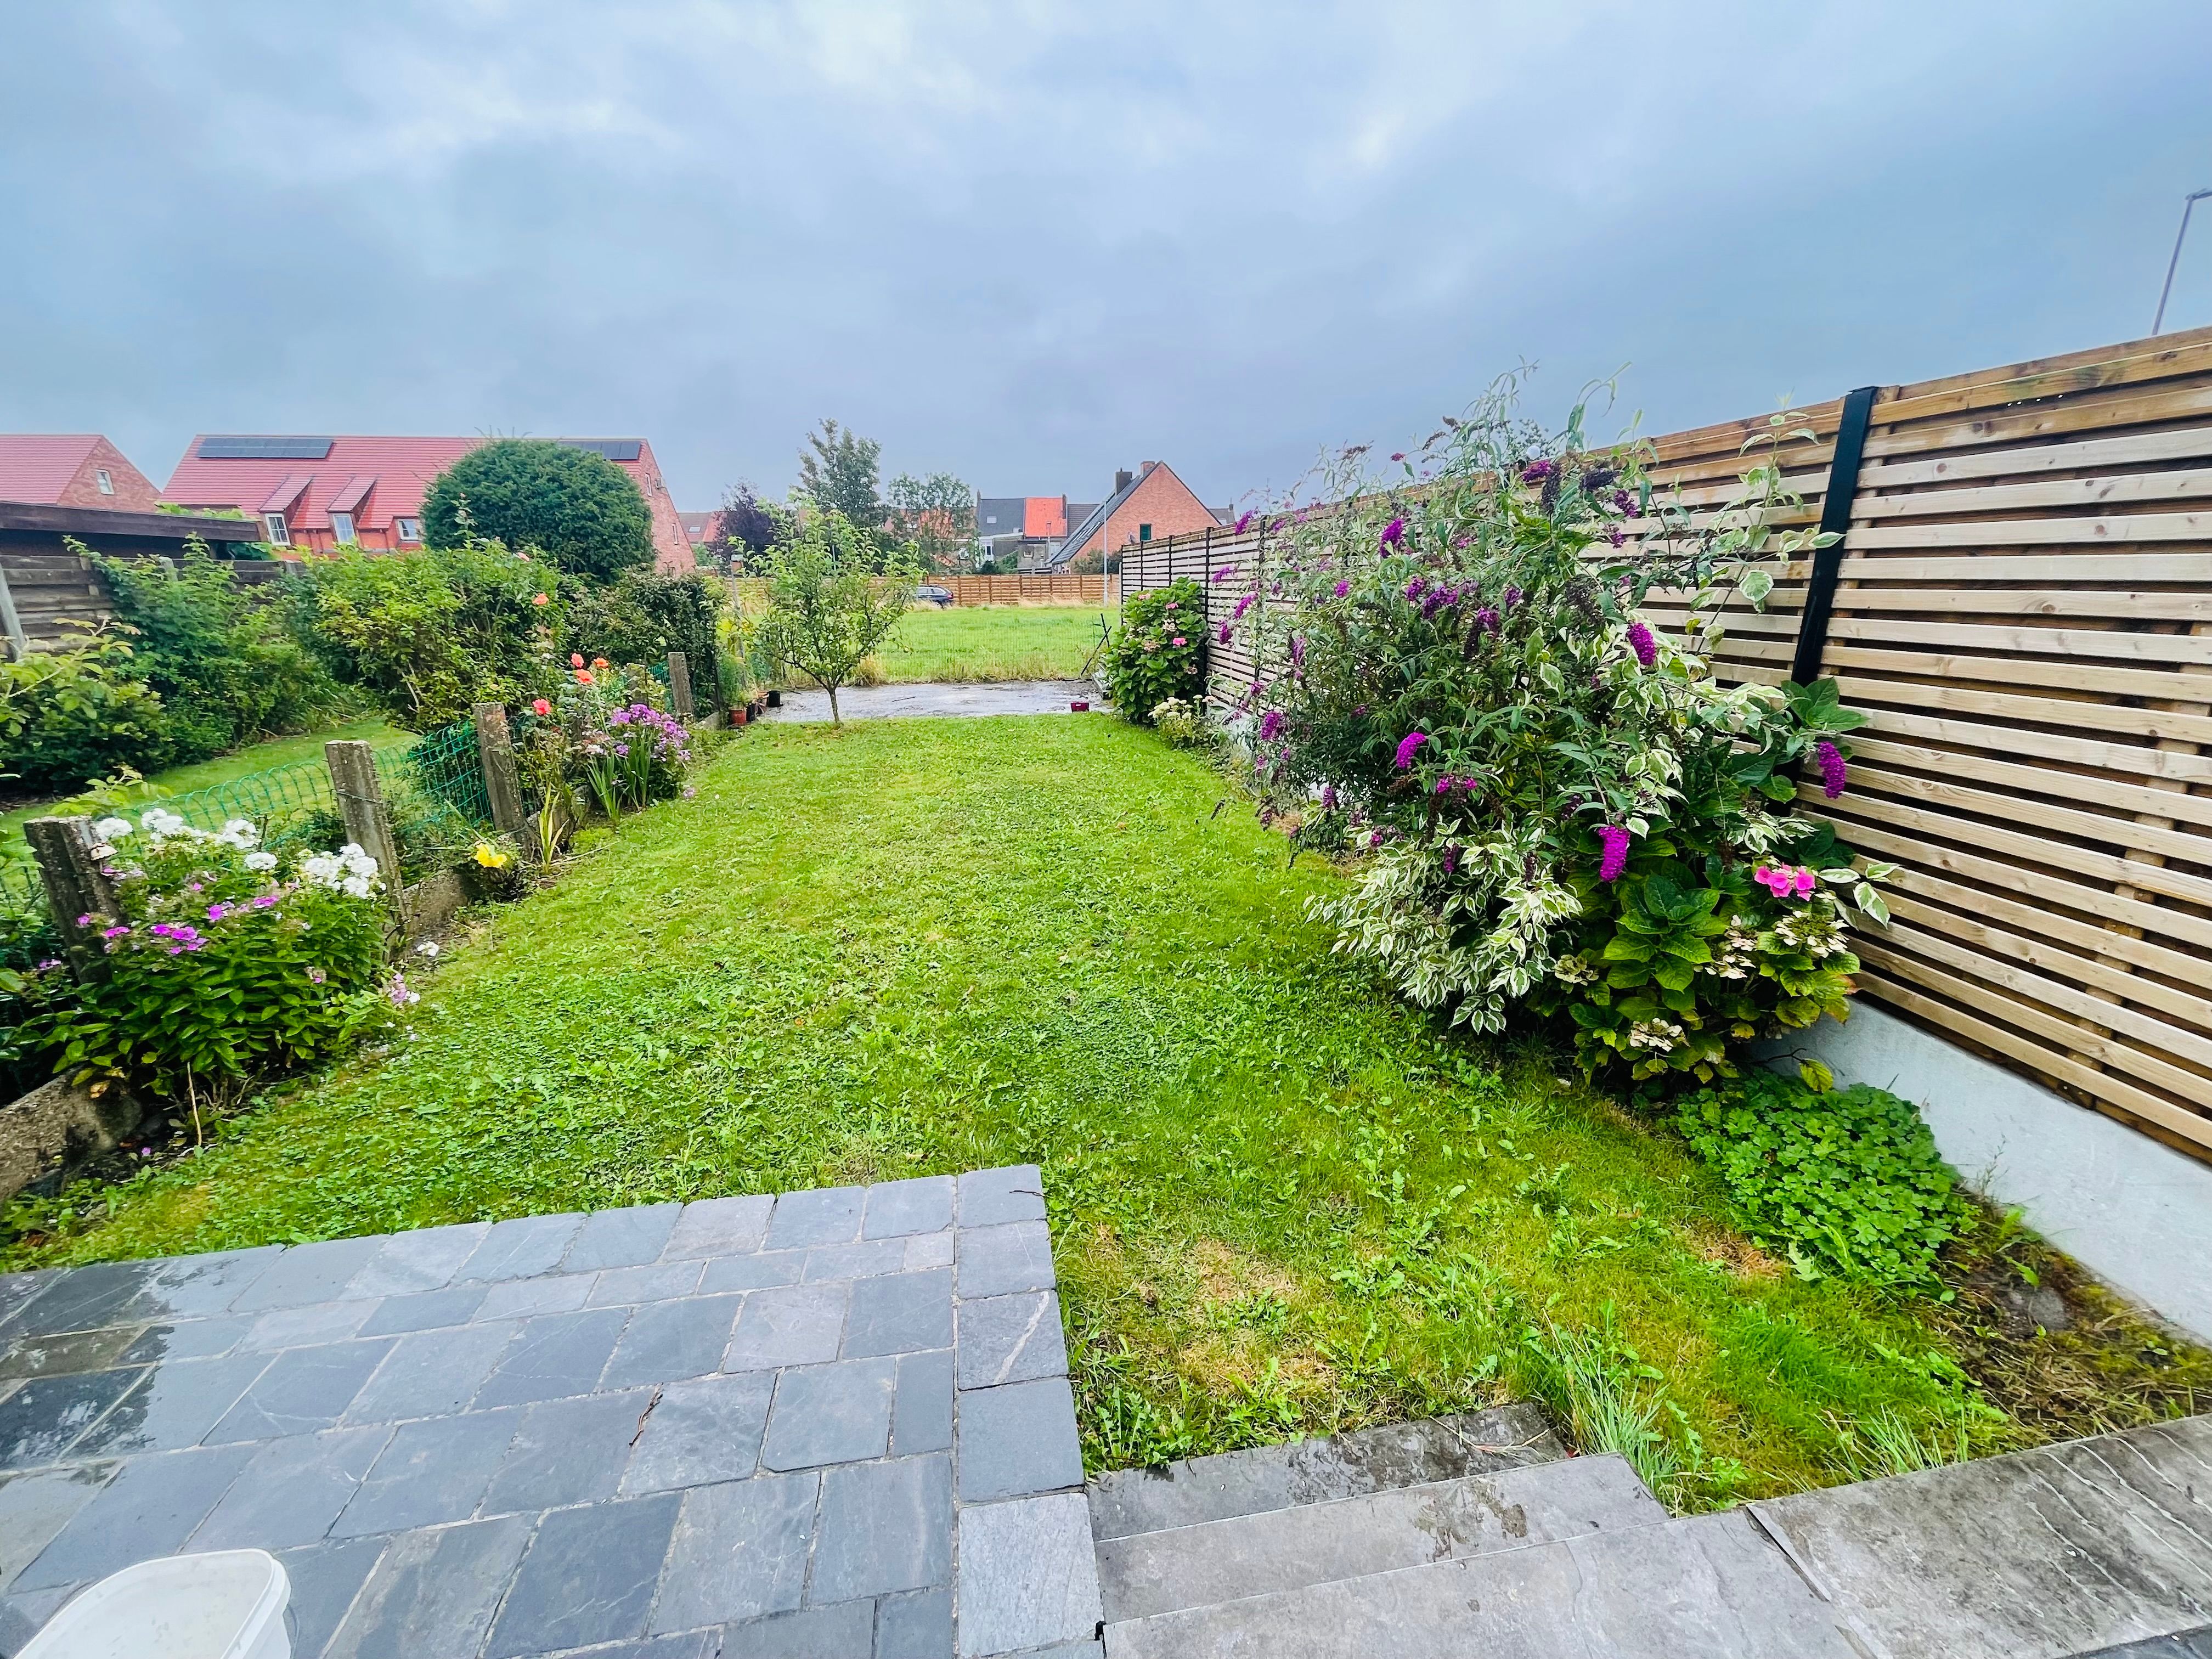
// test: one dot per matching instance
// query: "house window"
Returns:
(411, 529)
(342, 531)
(105, 479)
(1143, 533)
(279, 535)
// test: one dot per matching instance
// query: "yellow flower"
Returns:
(491, 857)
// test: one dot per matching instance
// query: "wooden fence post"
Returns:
(1843, 489)
(75, 886)
(360, 806)
(679, 687)
(502, 781)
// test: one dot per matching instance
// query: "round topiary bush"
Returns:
(579, 509)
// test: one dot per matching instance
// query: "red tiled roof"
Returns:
(1044, 515)
(281, 499)
(37, 466)
(349, 499)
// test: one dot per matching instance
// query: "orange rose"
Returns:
(583, 677)
(599, 662)
(540, 599)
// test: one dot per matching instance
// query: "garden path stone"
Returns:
(726, 1427)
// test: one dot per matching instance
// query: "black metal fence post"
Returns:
(1835, 517)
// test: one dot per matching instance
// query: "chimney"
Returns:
(1122, 479)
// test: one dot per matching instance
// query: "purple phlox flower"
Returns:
(1342, 588)
(1535, 473)
(316, 976)
(85, 920)
(1512, 598)
(52, 963)
(1641, 643)
(1270, 724)
(217, 912)
(113, 933)
(1407, 745)
(1328, 798)
(1242, 520)
(1615, 858)
(1393, 532)
(191, 887)
(265, 901)
(1834, 774)
(176, 950)
(1243, 605)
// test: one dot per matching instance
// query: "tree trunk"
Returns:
(834, 718)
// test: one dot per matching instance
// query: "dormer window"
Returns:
(341, 530)
(105, 479)
(411, 529)
(279, 533)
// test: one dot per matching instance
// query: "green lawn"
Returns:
(205, 775)
(991, 642)
(1281, 1201)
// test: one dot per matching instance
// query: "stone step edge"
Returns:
(1196, 1531)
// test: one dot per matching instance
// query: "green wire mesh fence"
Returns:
(434, 791)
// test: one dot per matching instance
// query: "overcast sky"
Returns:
(1031, 243)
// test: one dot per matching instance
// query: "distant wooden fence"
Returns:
(2022, 604)
(1058, 588)
(58, 595)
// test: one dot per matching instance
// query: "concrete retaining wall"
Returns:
(2132, 1210)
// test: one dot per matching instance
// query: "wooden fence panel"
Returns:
(2024, 610)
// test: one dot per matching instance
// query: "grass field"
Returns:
(224, 769)
(991, 642)
(1280, 1200)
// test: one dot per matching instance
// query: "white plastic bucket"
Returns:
(227, 1604)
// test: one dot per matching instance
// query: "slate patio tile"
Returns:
(306, 1274)
(66, 1356)
(568, 1451)
(921, 1411)
(672, 1341)
(998, 1260)
(861, 1261)
(433, 1594)
(149, 1509)
(1017, 1440)
(172, 1406)
(916, 1625)
(702, 1432)
(202, 1286)
(325, 1578)
(990, 1197)
(621, 1238)
(553, 1356)
(883, 1527)
(105, 1294)
(36, 1506)
(425, 1310)
(900, 1313)
(898, 1208)
(425, 1260)
(688, 1644)
(835, 1413)
(739, 1551)
(522, 1248)
(660, 1281)
(589, 1576)
(822, 1215)
(1011, 1339)
(720, 1226)
(300, 1327)
(21, 1616)
(190, 1338)
(926, 1250)
(831, 1633)
(16, 1291)
(520, 1298)
(430, 1373)
(429, 1473)
(796, 1325)
(753, 1273)
(41, 1418)
(1028, 1576)
(291, 1490)
(303, 1389)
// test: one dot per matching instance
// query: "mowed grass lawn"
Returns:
(1281, 1201)
(991, 642)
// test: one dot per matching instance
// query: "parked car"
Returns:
(936, 593)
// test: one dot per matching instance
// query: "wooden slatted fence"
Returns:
(2022, 604)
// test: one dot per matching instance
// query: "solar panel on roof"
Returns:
(263, 449)
(615, 449)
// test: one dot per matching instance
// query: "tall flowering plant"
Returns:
(222, 961)
(1557, 803)
(1158, 652)
(617, 743)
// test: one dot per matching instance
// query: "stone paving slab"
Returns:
(749, 1424)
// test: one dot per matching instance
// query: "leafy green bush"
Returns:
(223, 964)
(645, 616)
(1159, 651)
(69, 716)
(218, 651)
(585, 512)
(1847, 1183)
(834, 595)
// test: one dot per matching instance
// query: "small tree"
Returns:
(937, 515)
(837, 473)
(746, 526)
(828, 607)
(584, 511)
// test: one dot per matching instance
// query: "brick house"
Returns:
(1150, 504)
(80, 469)
(320, 493)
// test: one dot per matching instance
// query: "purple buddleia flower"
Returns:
(1834, 774)
(1297, 650)
(1407, 745)
(1225, 634)
(1415, 588)
(1343, 588)
(1535, 473)
(1224, 574)
(1615, 859)
(1451, 857)
(1641, 643)
(1270, 724)
(1394, 533)
(1328, 798)
(1242, 520)
(1512, 598)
